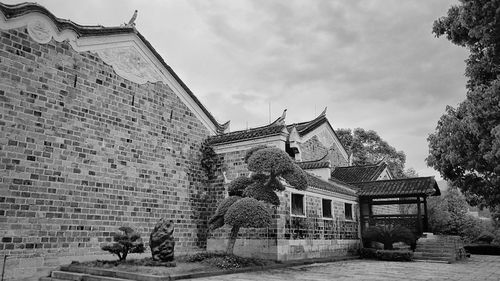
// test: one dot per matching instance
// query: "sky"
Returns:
(375, 64)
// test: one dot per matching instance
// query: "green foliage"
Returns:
(448, 214)
(270, 160)
(238, 185)
(388, 235)
(367, 147)
(217, 220)
(368, 253)
(252, 150)
(128, 242)
(208, 159)
(225, 261)
(394, 255)
(465, 148)
(261, 193)
(485, 237)
(296, 178)
(493, 250)
(248, 212)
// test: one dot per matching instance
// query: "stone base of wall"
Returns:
(19, 268)
(284, 250)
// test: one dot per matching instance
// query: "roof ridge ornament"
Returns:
(280, 120)
(131, 22)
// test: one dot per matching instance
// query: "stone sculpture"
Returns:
(162, 241)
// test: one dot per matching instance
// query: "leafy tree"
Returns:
(128, 242)
(248, 196)
(367, 147)
(448, 214)
(465, 148)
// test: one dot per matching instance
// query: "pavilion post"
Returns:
(419, 216)
(426, 215)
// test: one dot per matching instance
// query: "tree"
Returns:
(448, 214)
(465, 148)
(367, 147)
(248, 196)
(128, 242)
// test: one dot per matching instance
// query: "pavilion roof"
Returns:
(409, 187)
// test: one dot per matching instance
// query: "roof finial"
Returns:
(324, 111)
(131, 22)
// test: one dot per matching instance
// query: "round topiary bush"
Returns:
(296, 178)
(262, 193)
(485, 237)
(248, 212)
(238, 185)
(270, 160)
(217, 220)
(252, 150)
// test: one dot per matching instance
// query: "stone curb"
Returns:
(260, 268)
(146, 277)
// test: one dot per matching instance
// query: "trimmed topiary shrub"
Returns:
(238, 185)
(368, 253)
(270, 160)
(252, 150)
(483, 249)
(262, 193)
(126, 243)
(217, 220)
(388, 235)
(248, 212)
(296, 178)
(388, 255)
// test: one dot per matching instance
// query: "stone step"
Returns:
(51, 279)
(427, 254)
(102, 278)
(65, 275)
(91, 273)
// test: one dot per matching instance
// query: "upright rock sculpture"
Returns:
(162, 241)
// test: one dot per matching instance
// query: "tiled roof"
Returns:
(305, 127)
(254, 133)
(333, 186)
(398, 188)
(354, 174)
(313, 165)
(17, 10)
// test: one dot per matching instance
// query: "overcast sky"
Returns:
(374, 64)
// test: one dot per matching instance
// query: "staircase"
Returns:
(75, 273)
(439, 248)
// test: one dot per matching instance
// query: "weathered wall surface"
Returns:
(84, 151)
(313, 149)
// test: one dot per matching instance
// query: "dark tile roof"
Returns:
(398, 188)
(254, 133)
(308, 165)
(355, 174)
(306, 127)
(333, 186)
(17, 10)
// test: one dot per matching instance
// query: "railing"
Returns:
(409, 221)
(319, 228)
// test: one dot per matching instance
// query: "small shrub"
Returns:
(238, 185)
(388, 235)
(262, 193)
(248, 212)
(225, 261)
(388, 255)
(368, 253)
(485, 237)
(483, 249)
(128, 242)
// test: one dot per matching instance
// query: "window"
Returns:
(298, 204)
(348, 211)
(327, 208)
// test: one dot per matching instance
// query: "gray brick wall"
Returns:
(84, 151)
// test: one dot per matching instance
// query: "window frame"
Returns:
(304, 210)
(352, 212)
(331, 209)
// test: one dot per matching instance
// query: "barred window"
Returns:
(327, 208)
(348, 211)
(298, 207)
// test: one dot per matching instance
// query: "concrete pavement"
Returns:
(477, 268)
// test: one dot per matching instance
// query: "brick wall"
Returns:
(83, 152)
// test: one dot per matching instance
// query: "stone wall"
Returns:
(84, 151)
(313, 149)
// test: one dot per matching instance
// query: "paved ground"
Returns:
(476, 268)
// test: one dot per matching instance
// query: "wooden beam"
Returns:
(395, 202)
